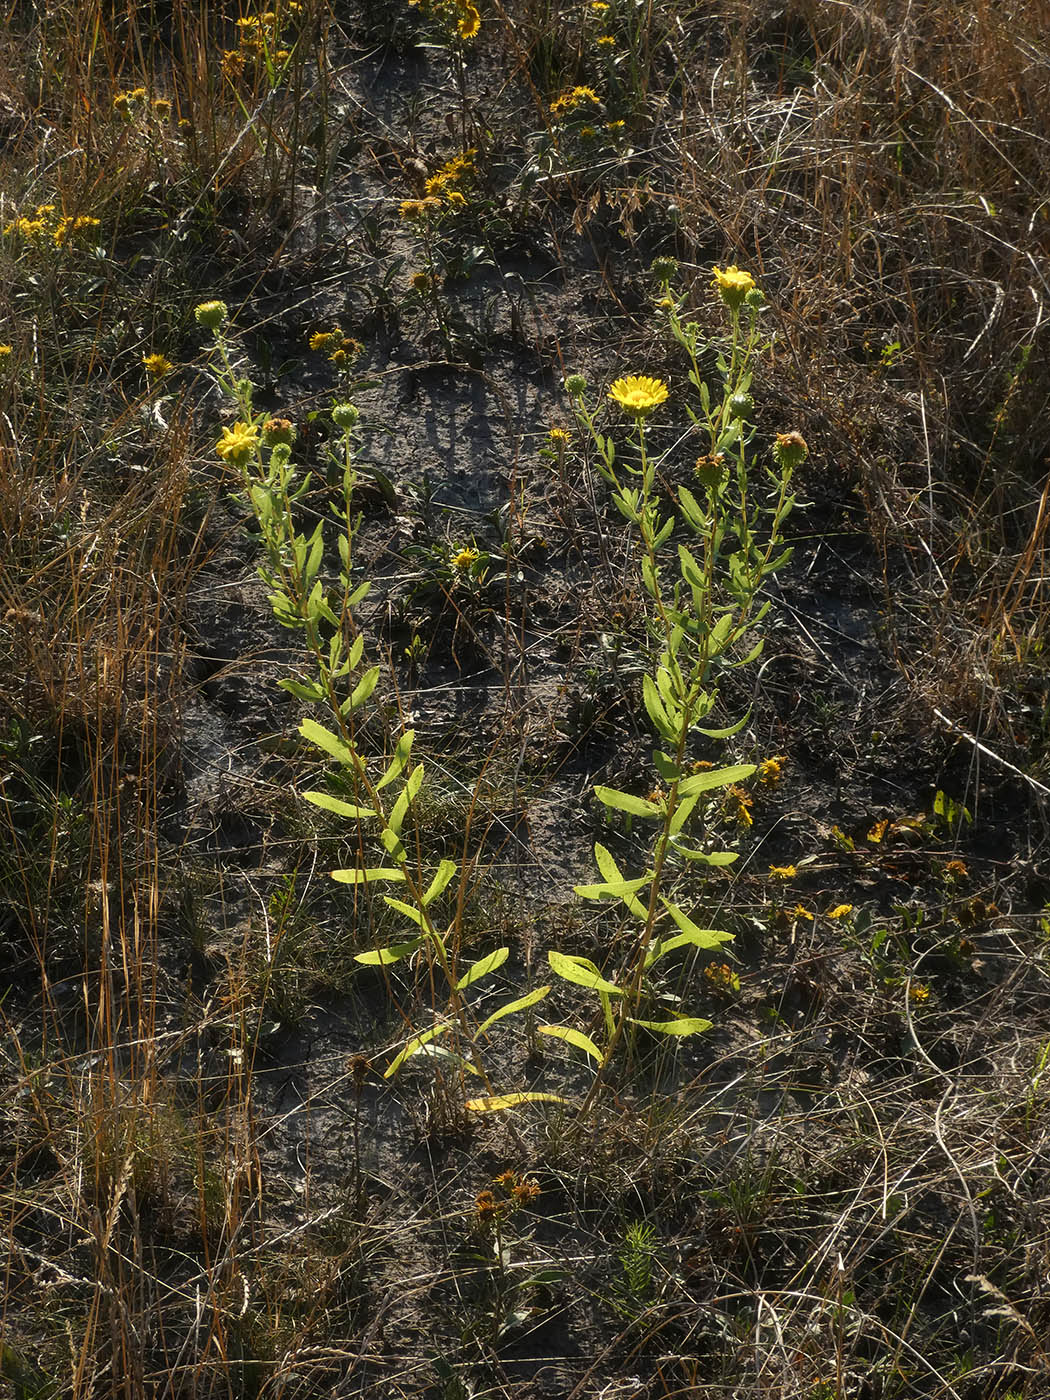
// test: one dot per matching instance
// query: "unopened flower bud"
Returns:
(575, 386)
(345, 415)
(741, 406)
(790, 450)
(211, 314)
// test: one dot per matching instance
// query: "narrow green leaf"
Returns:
(361, 875)
(687, 1025)
(357, 648)
(417, 1043)
(612, 889)
(324, 739)
(495, 1103)
(682, 813)
(626, 802)
(439, 883)
(605, 862)
(582, 972)
(728, 732)
(702, 937)
(409, 910)
(359, 594)
(715, 778)
(666, 766)
(400, 758)
(394, 952)
(655, 709)
(573, 1037)
(310, 691)
(714, 858)
(336, 805)
(364, 687)
(510, 1007)
(483, 967)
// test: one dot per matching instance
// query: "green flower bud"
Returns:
(741, 406)
(278, 432)
(575, 386)
(790, 450)
(211, 314)
(755, 299)
(663, 269)
(710, 470)
(345, 416)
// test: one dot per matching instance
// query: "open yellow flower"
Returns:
(238, 443)
(157, 365)
(733, 285)
(638, 394)
(469, 22)
(464, 558)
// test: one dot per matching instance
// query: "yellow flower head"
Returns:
(416, 209)
(157, 366)
(469, 22)
(606, 41)
(638, 394)
(325, 340)
(840, 911)
(782, 872)
(733, 285)
(463, 559)
(162, 109)
(575, 97)
(238, 443)
(769, 770)
(558, 437)
(919, 993)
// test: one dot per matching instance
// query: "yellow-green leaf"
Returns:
(336, 805)
(495, 1103)
(573, 1037)
(417, 1043)
(364, 875)
(582, 972)
(627, 802)
(483, 967)
(519, 1004)
(715, 778)
(394, 952)
(687, 1025)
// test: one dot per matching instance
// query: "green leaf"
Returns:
(361, 875)
(611, 871)
(309, 691)
(510, 1007)
(715, 778)
(439, 883)
(405, 798)
(323, 738)
(417, 1043)
(702, 937)
(666, 766)
(394, 952)
(715, 858)
(336, 805)
(495, 1103)
(726, 733)
(655, 709)
(572, 1037)
(363, 689)
(409, 910)
(691, 570)
(612, 889)
(682, 812)
(400, 758)
(625, 802)
(359, 594)
(357, 648)
(483, 967)
(687, 1025)
(582, 972)
(681, 940)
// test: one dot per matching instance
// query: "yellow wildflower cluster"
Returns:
(770, 769)
(416, 210)
(737, 803)
(462, 17)
(157, 365)
(341, 349)
(448, 180)
(47, 226)
(260, 38)
(573, 100)
(135, 100)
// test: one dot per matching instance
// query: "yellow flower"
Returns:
(599, 6)
(575, 97)
(456, 199)
(463, 559)
(840, 911)
(639, 394)
(769, 770)
(782, 872)
(615, 126)
(665, 304)
(790, 450)
(6, 350)
(157, 366)
(162, 109)
(606, 41)
(418, 208)
(801, 912)
(558, 437)
(469, 22)
(733, 285)
(919, 993)
(238, 443)
(324, 340)
(738, 803)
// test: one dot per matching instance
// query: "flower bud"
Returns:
(345, 416)
(278, 432)
(575, 386)
(790, 450)
(741, 406)
(211, 314)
